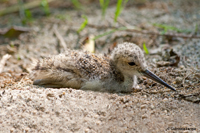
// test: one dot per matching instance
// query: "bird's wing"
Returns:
(57, 71)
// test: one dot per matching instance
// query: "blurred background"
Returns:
(167, 31)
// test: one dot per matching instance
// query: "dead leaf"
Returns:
(110, 49)
(170, 58)
(89, 44)
(13, 32)
(163, 63)
(3, 61)
(195, 98)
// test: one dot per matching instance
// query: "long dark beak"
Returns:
(152, 76)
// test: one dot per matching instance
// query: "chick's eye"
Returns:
(131, 63)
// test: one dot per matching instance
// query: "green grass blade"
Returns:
(104, 5)
(76, 4)
(109, 32)
(196, 28)
(104, 34)
(145, 48)
(83, 25)
(45, 5)
(119, 8)
(172, 28)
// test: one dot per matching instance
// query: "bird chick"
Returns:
(84, 70)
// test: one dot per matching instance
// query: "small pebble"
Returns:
(98, 122)
(181, 67)
(34, 112)
(50, 95)
(27, 129)
(87, 130)
(143, 106)
(170, 124)
(165, 99)
(144, 116)
(152, 106)
(178, 80)
(12, 130)
(153, 112)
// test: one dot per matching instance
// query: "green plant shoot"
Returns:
(172, 28)
(83, 25)
(104, 5)
(145, 48)
(76, 4)
(119, 8)
(45, 5)
(109, 32)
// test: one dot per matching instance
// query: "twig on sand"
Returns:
(3, 62)
(143, 31)
(60, 38)
(16, 8)
(192, 71)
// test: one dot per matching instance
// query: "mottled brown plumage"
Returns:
(84, 70)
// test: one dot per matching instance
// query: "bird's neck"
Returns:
(128, 81)
(124, 81)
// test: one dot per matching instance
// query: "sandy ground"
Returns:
(68, 110)
(28, 108)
